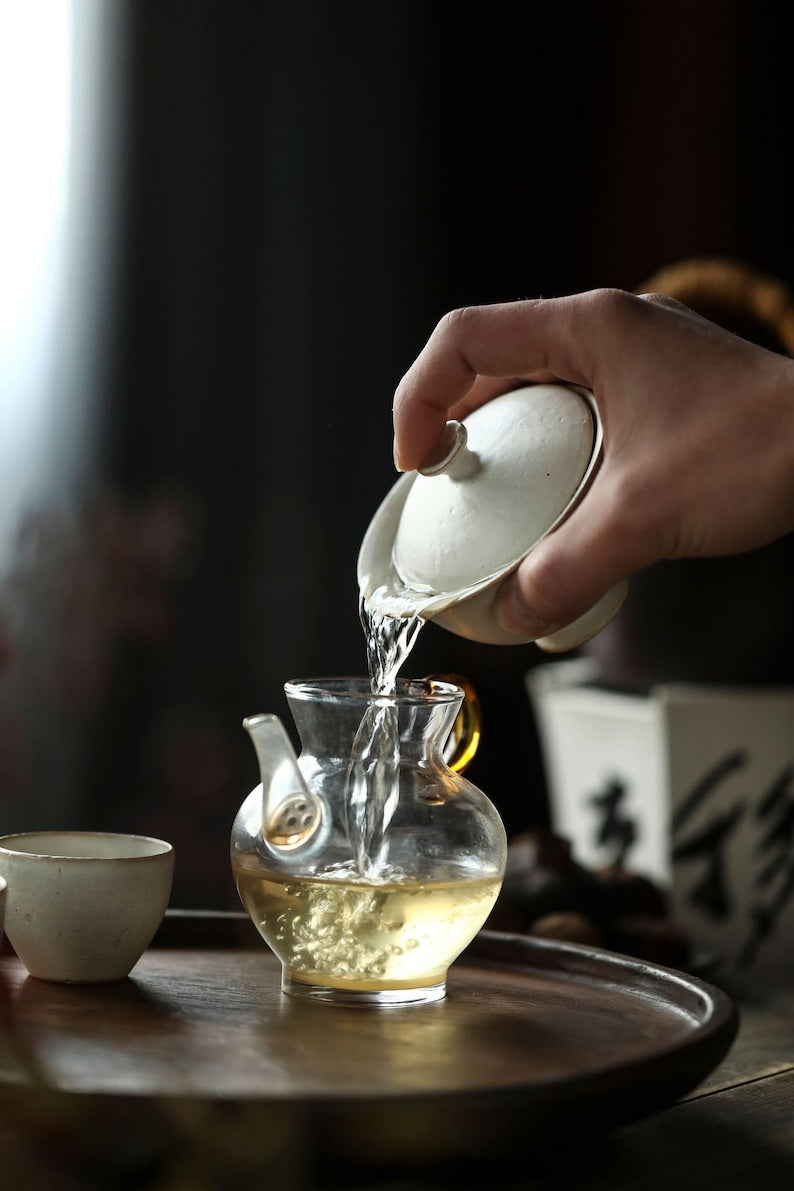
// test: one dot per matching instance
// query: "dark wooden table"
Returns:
(734, 1131)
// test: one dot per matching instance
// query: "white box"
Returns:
(691, 785)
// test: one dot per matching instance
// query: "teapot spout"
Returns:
(291, 813)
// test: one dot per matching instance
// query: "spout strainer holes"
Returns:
(294, 822)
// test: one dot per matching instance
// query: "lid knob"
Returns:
(453, 458)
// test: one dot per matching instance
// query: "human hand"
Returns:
(698, 455)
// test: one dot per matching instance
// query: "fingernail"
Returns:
(513, 616)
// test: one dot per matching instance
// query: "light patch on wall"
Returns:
(56, 182)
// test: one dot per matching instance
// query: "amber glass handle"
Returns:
(464, 739)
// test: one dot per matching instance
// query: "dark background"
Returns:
(302, 191)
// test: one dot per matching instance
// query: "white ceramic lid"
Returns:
(503, 485)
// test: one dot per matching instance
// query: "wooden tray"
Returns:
(533, 1037)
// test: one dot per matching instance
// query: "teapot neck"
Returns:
(329, 715)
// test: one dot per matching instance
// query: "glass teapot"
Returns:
(367, 863)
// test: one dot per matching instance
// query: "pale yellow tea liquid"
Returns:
(365, 936)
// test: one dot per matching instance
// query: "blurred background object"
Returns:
(226, 230)
(712, 620)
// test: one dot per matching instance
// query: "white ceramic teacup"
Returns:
(2, 908)
(83, 906)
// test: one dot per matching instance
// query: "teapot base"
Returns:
(421, 995)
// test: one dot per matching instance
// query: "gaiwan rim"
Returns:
(162, 847)
(409, 692)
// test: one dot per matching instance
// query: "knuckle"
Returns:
(603, 310)
(456, 321)
(664, 301)
(614, 303)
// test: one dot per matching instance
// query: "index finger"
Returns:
(515, 339)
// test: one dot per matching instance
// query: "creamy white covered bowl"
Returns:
(445, 538)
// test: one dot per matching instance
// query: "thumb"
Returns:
(587, 558)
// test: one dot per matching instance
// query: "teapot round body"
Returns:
(380, 923)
